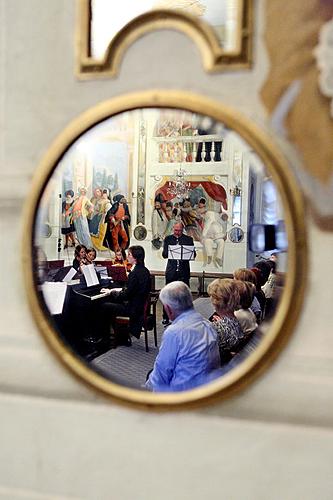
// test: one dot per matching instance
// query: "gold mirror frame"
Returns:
(292, 297)
(214, 58)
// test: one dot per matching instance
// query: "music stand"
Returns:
(181, 252)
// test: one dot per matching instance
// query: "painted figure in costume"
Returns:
(67, 226)
(119, 220)
(173, 216)
(159, 223)
(201, 211)
(82, 208)
(97, 224)
(93, 222)
(214, 233)
(189, 219)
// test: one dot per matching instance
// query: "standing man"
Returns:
(176, 270)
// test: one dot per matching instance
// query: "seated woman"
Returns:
(80, 255)
(90, 255)
(244, 274)
(244, 314)
(225, 298)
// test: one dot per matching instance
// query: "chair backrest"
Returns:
(149, 317)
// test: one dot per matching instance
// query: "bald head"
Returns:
(178, 230)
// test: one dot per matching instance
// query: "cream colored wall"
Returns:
(59, 439)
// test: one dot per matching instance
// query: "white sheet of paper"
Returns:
(54, 296)
(181, 252)
(102, 271)
(188, 252)
(69, 275)
(174, 252)
(90, 275)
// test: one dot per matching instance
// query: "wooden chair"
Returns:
(149, 319)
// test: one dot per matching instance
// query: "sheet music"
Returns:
(54, 296)
(181, 252)
(102, 271)
(174, 252)
(90, 275)
(69, 276)
(187, 252)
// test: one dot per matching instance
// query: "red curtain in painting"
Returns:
(215, 191)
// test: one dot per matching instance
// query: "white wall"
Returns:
(58, 437)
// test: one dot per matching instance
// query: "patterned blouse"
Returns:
(230, 336)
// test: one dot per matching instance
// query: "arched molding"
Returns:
(214, 58)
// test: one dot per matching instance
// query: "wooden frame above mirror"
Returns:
(214, 57)
(290, 303)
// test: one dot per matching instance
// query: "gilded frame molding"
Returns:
(214, 58)
(292, 298)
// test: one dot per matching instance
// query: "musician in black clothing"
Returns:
(176, 270)
(130, 301)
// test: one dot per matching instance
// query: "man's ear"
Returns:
(168, 310)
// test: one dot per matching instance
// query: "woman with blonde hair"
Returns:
(225, 298)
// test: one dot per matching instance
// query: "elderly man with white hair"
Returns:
(189, 353)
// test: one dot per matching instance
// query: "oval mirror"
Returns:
(236, 234)
(140, 233)
(188, 169)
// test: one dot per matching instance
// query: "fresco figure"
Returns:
(159, 223)
(97, 224)
(189, 219)
(67, 226)
(82, 208)
(200, 213)
(118, 220)
(214, 234)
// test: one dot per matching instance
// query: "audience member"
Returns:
(244, 314)
(189, 355)
(269, 287)
(264, 270)
(244, 274)
(225, 298)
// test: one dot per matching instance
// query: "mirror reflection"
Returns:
(142, 255)
(225, 18)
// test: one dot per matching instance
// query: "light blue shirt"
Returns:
(188, 356)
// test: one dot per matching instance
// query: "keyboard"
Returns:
(92, 293)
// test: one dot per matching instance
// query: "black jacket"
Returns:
(177, 270)
(135, 294)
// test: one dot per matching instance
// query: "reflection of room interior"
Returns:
(203, 175)
(158, 168)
